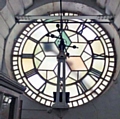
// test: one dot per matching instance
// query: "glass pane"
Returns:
(97, 47)
(38, 49)
(36, 81)
(85, 56)
(67, 70)
(76, 63)
(88, 82)
(69, 80)
(54, 80)
(27, 64)
(44, 39)
(98, 64)
(49, 49)
(73, 26)
(70, 33)
(88, 50)
(43, 74)
(48, 63)
(74, 38)
(37, 62)
(50, 89)
(88, 34)
(29, 85)
(50, 74)
(39, 33)
(29, 47)
(81, 74)
(40, 56)
(74, 75)
(81, 39)
(51, 27)
(72, 89)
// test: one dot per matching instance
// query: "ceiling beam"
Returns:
(33, 18)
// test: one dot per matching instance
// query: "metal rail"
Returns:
(34, 18)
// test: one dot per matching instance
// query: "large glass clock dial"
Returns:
(89, 69)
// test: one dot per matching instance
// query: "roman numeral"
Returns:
(81, 27)
(99, 56)
(42, 88)
(33, 39)
(27, 55)
(81, 88)
(30, 73)
(95, 72)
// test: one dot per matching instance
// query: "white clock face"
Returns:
(89, 69)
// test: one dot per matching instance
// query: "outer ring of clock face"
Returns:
(89, 69)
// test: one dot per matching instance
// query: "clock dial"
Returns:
(89, 69)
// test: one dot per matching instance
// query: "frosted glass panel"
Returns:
(36, 81)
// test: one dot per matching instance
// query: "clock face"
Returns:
(89, 69)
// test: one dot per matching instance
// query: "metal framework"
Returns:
(34, 18)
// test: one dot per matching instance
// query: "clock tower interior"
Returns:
(59, 59)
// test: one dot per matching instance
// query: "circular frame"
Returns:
(100, 77)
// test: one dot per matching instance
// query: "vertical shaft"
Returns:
(61, 68)
(61, 77)
(61, 21)
(63, 91)
(58, 83)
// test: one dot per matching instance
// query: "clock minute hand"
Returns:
(53, 36)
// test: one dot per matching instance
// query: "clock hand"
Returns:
(73, 46)
(53, 36)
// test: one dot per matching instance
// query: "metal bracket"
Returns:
(37, 18)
